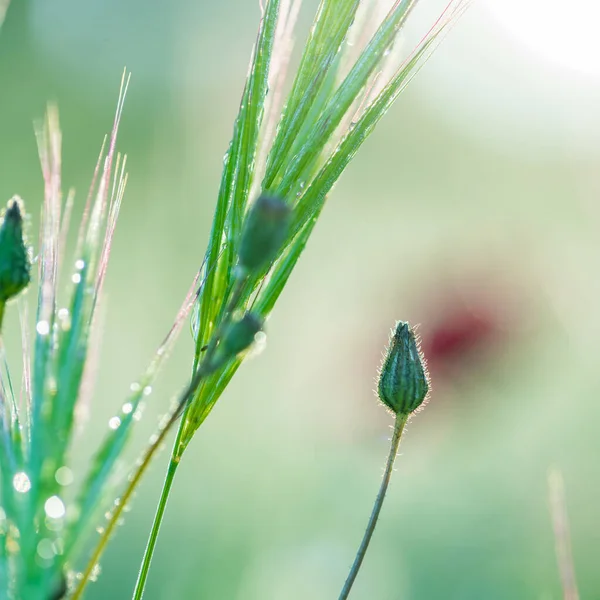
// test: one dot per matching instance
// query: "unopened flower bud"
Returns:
(239, 336)
(264, 232)
(403, 383)
(15, 265)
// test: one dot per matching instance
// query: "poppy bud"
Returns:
(15, 265)
(238, 336)
(264, 232)
(403, 383)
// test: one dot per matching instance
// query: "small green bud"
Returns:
(264, 231)
(15, 265)
(239, 336)
(403, 383)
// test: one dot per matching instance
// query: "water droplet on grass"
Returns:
(114, 423)
(43, 327)
(64, 476)
(45, 549)
(21, 482)
(55, 507)
(95, 573)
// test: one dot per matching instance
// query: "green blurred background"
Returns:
(472, 210)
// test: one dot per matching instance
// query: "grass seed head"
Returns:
(264, 232)
(239, 336)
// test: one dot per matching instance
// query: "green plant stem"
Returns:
(138, 592)
(158, 517)
(362, 550)
(124, 499)
(157, 442)
(207, 367)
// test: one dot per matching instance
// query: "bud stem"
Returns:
(362, 550)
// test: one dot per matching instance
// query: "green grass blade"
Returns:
(343, 98)
(94, 489)
(236, 180)
(311, 202)
(330, 28)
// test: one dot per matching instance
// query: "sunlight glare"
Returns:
(565, 33)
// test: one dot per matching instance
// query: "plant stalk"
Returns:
(362, 550)
(140, 584)
(133, 482)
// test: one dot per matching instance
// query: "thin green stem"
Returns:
(208, 366)
(238, 288)
(158, 517)
(362, 550)
(126, 496)
(156, 443)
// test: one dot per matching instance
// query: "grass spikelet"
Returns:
(286, 153)
(336, 98)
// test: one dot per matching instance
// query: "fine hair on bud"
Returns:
(403, 381)
(15, 264)
(264, 232)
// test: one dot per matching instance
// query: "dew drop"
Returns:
(64, 476)
(147, 390)
(260, 343)
(135, 387)
(45, 549)
(100, 530)
(55, 507)
(79, 264)
(21, 482)
(127, 408)
(43, 327)
(51, 385)
(63, 313)
(114, 423)
(76, 278)
(58, 546)
(95, 572)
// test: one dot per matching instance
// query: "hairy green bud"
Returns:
(15, 265)
(239, 336)
(403, 382)
(264, 232)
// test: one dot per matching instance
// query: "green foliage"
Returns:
(285, 156)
